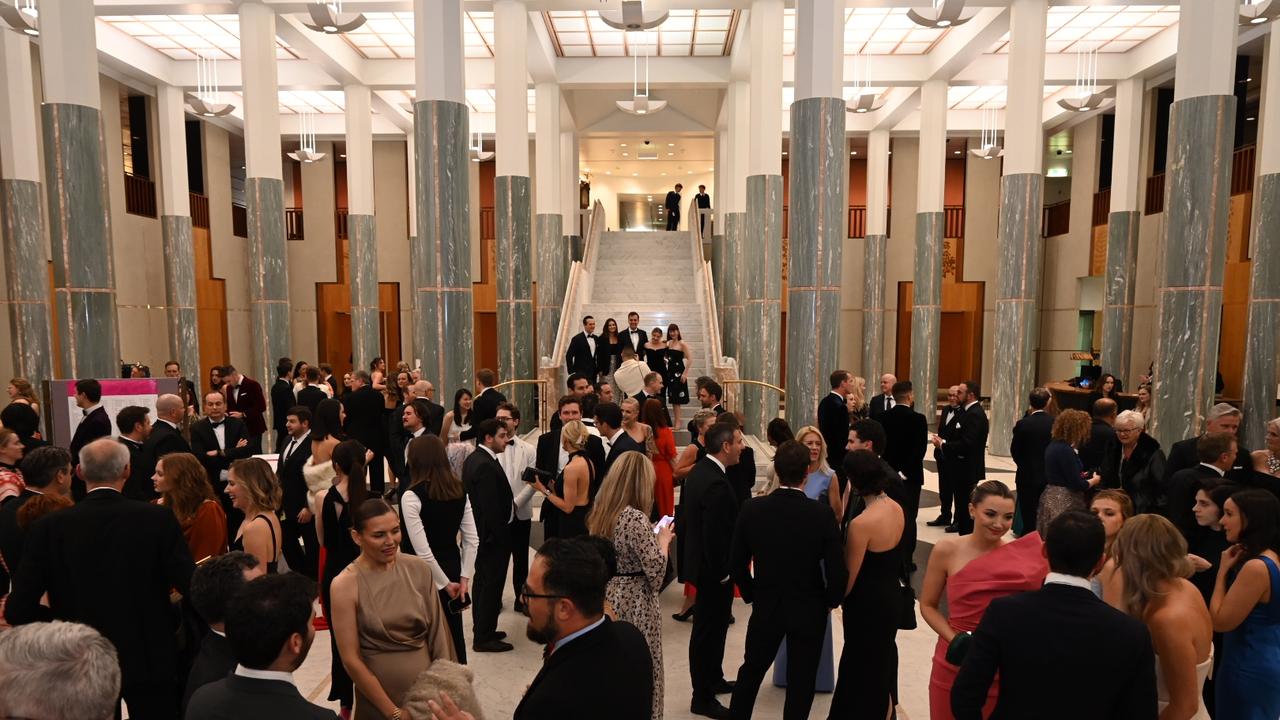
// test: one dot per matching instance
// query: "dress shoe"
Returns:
(709, 708)
(952, 529)
(682, 617)
(494, 645)
(940, 521)
(726, 687)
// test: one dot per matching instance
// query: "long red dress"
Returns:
(664, 491)
(1013, 568)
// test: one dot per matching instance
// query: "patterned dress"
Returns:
(633, 592)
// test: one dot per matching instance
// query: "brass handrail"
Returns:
(542, 396)
(761, 383)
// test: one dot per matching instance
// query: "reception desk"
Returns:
(1067, 397)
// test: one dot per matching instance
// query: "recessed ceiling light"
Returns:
(711, 169)
(855, 152)
(784, 153)
(1250, 119)
(635, 174)
(625, 155)
(690, 172)
(671, 144)
(622, 144)
(670, 154)
(955, 152)
(608, 172)
(664, 174)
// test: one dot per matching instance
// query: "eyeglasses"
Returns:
(526, 594)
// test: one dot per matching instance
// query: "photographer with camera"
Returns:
(515, 460)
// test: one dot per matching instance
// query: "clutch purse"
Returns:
(958, 648)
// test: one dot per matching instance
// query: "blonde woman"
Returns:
(1267, 460)
(1066, 482)
(620, 515)
(569, 492)
(818, 480)
(857, 400)
(255, 491)
(1151, 559)
(184, 488)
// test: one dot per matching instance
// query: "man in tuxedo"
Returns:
(365, 408)
(1216, 452)
(217, 440)
(518, 457)
(884, 400)
(966, 449)
(833, 416)
(906, 437)
(326, 376)
(270, 628)
(298, 521)
(492, 505)
(578, 386)
(1101, 434)
(652, 390)
(487, 400)
(1222, 417)
(788, 562)
(282, 399)
(57, 670)
(710, 509)
(617, 440)
(709, 395)
(46, 471)
(551, 457)
(134, 424)
(631, 373)
(166, 436)
(173, 370)
(593, 666)
(582, 358)
(213, 586)
(111, 562)
(946, 473)
(1030, 638)
(703, 202)
(406, 423)
(95, 424)
(633, 337)
(869, 435)
(245, 402)
(604, 390)
(312, 393)
(1031, 435)
(672, 204)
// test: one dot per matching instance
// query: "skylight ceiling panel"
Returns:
(576, 50)
(714, 22)
(574, 38)
(880, 48)
(911, 48)
(379, 52)
(708, 50)
(611, 37)
(893, 35)
(390, 25)
(678, 50)
(898, 19)
(920, 34)
(164, 26)
(610, 50)
(677, 23)
(1119, 46)
(1138, 33)
(711, 38)
(180, 54)
(595, 24)
(676, 38)
(159, 42)
(573, 24)
(137, 29)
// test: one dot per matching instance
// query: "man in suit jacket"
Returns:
(45, 470)
(634, 337)
(946, 473)
(282, 399)
(884, 400)
(173, 369)
(709, 395)
(1031, 435)
(95, 424)
(833, 416)
(213, 586)
(492, 506)
(1216, 452)
(710, 509)
(1031, 638)
(246, 402)
(110, 562)
(365, 408)
(652, 390)
(966, 450)
(134, 424)
(703, 202)
(218, 440)
(582, 358)
(593, 666)
(906, 437)
(1222, 417)
(487, 400)
(435, 411)
(165, 436)
(269, 626)
(1101, 434)
(672, 204)
(299, 521)
(788, 562)
(313, 392)
(609, 423)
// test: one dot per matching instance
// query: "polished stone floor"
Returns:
(501, 678)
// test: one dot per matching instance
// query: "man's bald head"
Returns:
(170, 407)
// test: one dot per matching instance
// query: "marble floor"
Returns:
(502, 678)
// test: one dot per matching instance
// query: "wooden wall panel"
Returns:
(211, 307)
(962, 328)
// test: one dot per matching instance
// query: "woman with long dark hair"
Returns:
(457, 420)
(184, 488)
(326, 434)
(664, 458)
(434, 511)
(678, 356)
(609, 354)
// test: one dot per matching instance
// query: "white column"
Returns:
(1024, 113)
(1123, 222)
(359, 122)
(437, 61)
(362, 240)
(510, 25)
(1126, 168)
(765, 153)
(547, 150)
(171, 131)
(873, 312)
(933, 146)
(569, 198)
(926, 299)
(261, 92)
(877, 182)
(19, 152)
(738, 96)
(68, 47)
(819, 66)
(176, 233)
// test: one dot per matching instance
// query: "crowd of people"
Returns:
(175, 566)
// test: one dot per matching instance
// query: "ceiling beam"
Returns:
(541, 52)
(616, 72)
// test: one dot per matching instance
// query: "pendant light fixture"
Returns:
(206, 100)
(477, 151)
(327, 17)
(862, 100)
(640, 103)
(632, 17)
(989, 142)
(22, 17)
(306, 152)
(944, 14)
(1258, 12)
(1086, 97)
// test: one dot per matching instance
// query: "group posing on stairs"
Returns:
(633, 363)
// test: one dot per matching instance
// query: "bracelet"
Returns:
(396, 715)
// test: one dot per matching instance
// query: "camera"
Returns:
(533, 474)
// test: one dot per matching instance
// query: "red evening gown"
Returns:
(1013, 568)
(664, 492)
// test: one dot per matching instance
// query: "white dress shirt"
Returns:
(411, 509)
(220, 432)
(294, 444)
(518, 456)
(1072, 580)
(591, 343)
(278, 675)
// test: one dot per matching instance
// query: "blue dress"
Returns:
(1247, 684)
(816, 485)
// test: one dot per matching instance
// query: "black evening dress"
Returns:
(869, 662)
(339, 552)
(677, 389)
(572, 524)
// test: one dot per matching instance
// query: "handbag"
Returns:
(906, 607)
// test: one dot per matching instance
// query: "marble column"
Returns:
(926, 298)
(26, 276)
(1019, 245)
(443, 313)
(1261, 366)
(733, 285)
(873, 263)
(1197, 203)
(264, 193)
(762, 242)
(417, 346)
(79, 215)
(548, 223)
(818, 209)
(732, 201)
(1122, 232)
(573, 240)
(176, 234)
(362, 241)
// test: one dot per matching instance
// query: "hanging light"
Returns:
(1086, 96)
(1257, 12)
(205, 101)
(944, 14)
(989, 143)
(327, 17)
(477, 150)
(22, 17)
(306, 152)
(862, 100)
(632, 17)
(640, 103)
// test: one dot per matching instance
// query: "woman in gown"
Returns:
(1143, 406)
(664, 456)
(1151, 560)
(610, 351)
(11, 450)
(621, 515)
(386, 614)
(868, 663)
(326, 434)
(332, 511)
(674, 378)
(1267, 460)
(184, 488)
(457, 420)
(570, 497)
(1066, 483)
(975, 569)
(638, 431)
(255, 491)
(1247, 686)
(655, 353)
(1204, 549)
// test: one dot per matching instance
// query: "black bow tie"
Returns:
(511, 442)
(217, 424)
(84, 413)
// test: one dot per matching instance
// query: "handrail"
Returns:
(543, 398)
(723, 369)
(782, 393)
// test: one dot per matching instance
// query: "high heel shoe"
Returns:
(684, 616)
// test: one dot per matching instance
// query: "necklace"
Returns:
(1273, 463)
(874, 498)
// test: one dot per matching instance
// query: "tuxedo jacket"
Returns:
(292, 484)
(490, 494)
(1031, 436)
(96, 424)
(435, 417)
(215, 661)
(163, 440)
(139, 485)
(946, 428)
(787, 554)
(203, 440)
(581, 359)
(250, 401)
(237, 698)
(673, 201)
(833, 423)
(485, 406)
(365, 409)
(605, 672)
(742, 475)
(1035, 639)
(719, 408)
(704, 201)
(624, 443)
(282, 399)
(906, 436)
(1182, 454)
(1180, 495)
(635, 341)
(109, 562)
(547, 453)
(709, 510)
(967, 446)
(310, 397)
(877, 406)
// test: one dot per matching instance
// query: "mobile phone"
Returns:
(664, 522)
(458, 604)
